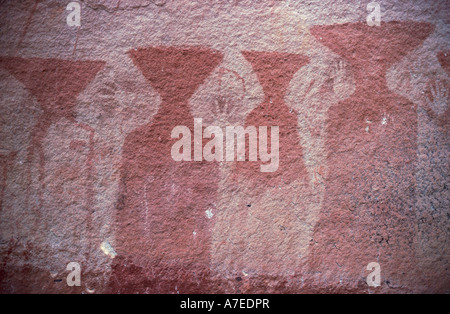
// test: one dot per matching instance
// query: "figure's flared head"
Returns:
(174, 72)
(55, 83)
(275, 70)
(373, 48)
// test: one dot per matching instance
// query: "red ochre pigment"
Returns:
(369, 210)
(275, 71)
(163, 232)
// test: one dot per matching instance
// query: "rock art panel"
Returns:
(87, 175)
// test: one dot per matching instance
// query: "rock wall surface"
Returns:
(87, 173)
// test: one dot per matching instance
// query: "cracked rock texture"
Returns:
(87, 176)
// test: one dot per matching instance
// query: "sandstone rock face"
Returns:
(87, 173)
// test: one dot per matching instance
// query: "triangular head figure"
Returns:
(271, 202)
(275, 71)
(63, 161)
(56, 84)
(368, 213)
(162, 227)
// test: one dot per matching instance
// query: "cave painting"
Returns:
(165, 208)
(64, 173)
(265, 227)
(369, 206)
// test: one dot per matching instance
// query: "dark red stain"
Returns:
(444, 60)
(56, 85)
(19, 273)
(162, 202)
(6, 162)
(275, 71)
(369, 208)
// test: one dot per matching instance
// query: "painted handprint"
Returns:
(339, 76)
(330, 87)
(224, 108)
(436, 101)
